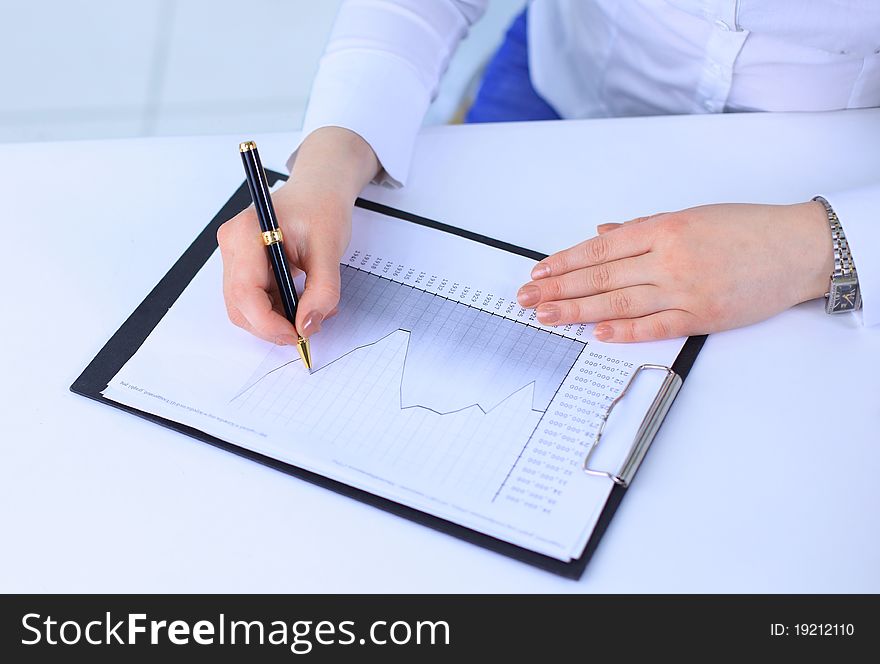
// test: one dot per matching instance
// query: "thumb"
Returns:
(321, 293)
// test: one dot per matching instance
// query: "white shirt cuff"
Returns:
(378, 96)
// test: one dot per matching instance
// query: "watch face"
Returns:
(844, 296)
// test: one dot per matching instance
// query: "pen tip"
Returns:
(305, 352)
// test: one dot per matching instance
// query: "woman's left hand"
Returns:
(696, 271)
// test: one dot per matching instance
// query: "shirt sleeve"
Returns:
(859, 214)
(381, 69)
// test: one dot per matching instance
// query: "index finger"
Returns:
(624, 241)
(247, 283)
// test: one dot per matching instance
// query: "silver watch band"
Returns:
(843, 292)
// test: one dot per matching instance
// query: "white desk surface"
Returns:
(763, 478)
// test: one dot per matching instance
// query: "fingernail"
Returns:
(548, 314)
(285, 340)
(540, 271)
(312, 323)
(604, 228)
(528, 296)
(603, 332)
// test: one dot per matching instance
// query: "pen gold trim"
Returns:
(305, 351)
(272, 237)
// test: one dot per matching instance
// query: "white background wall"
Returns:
(73, 69)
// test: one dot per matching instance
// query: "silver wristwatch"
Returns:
(843, 294)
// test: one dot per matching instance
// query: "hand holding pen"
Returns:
(313, 210)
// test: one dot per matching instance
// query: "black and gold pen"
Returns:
(272, 238)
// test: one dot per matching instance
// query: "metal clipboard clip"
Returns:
(647, 430)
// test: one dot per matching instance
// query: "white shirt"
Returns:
(603, 58)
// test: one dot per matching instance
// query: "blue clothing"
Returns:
(506, 93)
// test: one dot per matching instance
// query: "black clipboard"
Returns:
(135, 330)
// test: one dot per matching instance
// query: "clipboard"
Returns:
(135, 330)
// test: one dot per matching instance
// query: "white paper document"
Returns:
(431, 387)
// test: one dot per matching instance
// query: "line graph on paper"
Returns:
(416, 388)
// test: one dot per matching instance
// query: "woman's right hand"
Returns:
(314, 211)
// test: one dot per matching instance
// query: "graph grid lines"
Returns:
(438, 390)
